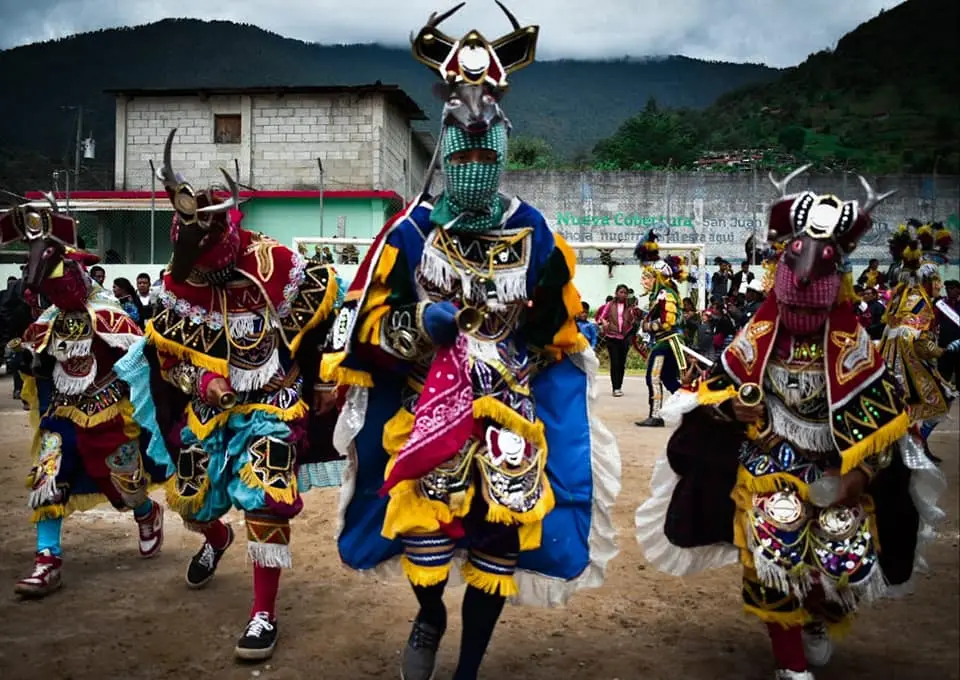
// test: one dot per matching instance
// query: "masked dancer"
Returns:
(909, 343)
(86, 450)
(666, 361)
(810, 467)
(468, 406)
(234, 353)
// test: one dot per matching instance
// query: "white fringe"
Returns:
(270, 555)
(71, 349)
(811, 383)
(850, 597)
(511, 285)
(70, 384)
(246, 380)
(775, 576)
(120, 340)
(800, 433)
(45, 494)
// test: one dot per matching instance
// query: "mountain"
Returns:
(886, 99)
(571, 104)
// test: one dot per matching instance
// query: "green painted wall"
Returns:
(287, 218)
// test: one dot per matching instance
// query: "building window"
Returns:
(226, 129)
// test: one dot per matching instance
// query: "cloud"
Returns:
(778, 33)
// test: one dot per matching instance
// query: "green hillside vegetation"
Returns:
(570, 105)
(886, 100)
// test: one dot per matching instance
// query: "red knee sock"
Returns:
(217, 534)
(266, 582)
(788, 647)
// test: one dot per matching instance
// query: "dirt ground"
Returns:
(120, 617)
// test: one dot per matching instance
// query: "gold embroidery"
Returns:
(262, 246)
(855, 356)
(745, 345)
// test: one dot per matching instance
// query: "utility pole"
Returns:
(76, 157)
(320, 166)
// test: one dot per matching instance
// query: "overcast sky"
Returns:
(775, 32)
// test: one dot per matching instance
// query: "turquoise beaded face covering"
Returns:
(471, 190)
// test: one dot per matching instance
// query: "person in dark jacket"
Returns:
(876, 310)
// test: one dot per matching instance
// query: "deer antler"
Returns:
(873, 198)
(435, 20)
(781, 186)
(513, 19)
(11, 198)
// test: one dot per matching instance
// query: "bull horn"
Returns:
(873, 198)
(781, 185)
(170, 178)
(231, 202)
(51, 200)
(513, 19)
(435, 20)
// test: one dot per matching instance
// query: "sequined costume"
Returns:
(804, 488)
(469, 386)
(909, 343)
(666, 360)
(231, 358)
(86, 450)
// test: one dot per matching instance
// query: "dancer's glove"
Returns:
(954, 346)
(440, 321)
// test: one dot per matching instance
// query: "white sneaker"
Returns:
(817, 645)
(784, 674)
(151, 531)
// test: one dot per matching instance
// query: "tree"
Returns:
(529, 153)
(649, 140)
(793, 138)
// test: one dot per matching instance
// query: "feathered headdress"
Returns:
(648, 250)
(919, 248)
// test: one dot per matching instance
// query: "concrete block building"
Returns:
(362, 135)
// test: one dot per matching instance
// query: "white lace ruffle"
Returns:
(657, 548)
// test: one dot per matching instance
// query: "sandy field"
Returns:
(121, 617)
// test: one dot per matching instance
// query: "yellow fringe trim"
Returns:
(424, 576)
(203, 430)
(396, 431)
(331, 370)
(369, 332)
(499, 514)
(409, 512)
(82, 420)
(777, 481)
(323, 311)
(875, 443)
(199, 359)
(77, 503)
(286, 496)
(533, 432)
(786, 619)
(493, 584)
(185, 507)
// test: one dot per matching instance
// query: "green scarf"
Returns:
(472, 190)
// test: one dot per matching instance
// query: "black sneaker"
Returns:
(420, 655)
(259, 639)
(203, 565)
(650, 422)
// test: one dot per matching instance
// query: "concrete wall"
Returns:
(361, 139)
(717, 210)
